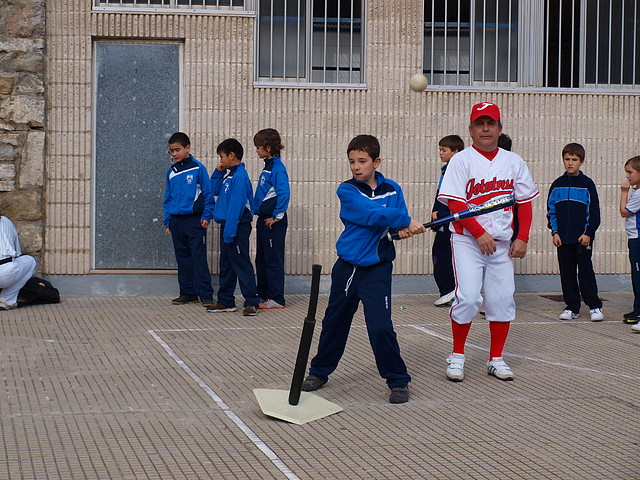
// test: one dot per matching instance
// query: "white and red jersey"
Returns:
(472, 178)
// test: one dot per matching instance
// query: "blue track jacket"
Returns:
(272, 192)
(233, 204)
(367, 216)
(573, 208)
(188, 190)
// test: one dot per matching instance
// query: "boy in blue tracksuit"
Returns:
(232, 187)
(573, 213)
(188, 209)
(370, 206)
(270, 204)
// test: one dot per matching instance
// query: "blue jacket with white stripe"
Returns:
(188, 190)
(573, 208)
(367, 216)
(272, 193)
(233, 191)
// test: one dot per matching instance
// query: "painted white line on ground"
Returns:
(533, 359)
(436, 324)
(279, 464)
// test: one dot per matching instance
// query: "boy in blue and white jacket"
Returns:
(573, 212)
(188, 209)
(370, 206)
(270, 204)
(232, 187)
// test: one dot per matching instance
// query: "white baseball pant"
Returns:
(475, 272)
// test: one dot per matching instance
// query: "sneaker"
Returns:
(455, 367)
(635, 328)
(217, 308)
(207, 302)
(596, 314)
(445, 299)
(6, 306)
(182, 299)
(631, 321)
(499, 369)
(399, 395)
(250, 311)
(568, 315)
(630, 315)
(269, 304)
(312, 383)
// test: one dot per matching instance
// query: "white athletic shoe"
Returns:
(596, 314)
(445, 299)
(635, 328)
(455, 367)
(269, 304)
(568, 315)
(7, 306)
(499, 369)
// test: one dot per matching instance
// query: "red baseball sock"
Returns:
(460, 333)
(499, 332)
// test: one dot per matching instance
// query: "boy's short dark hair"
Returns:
(181, 138)
(504, 142)
(633, 162)
(269, 137)
(574, 149)
(452, 142)
(231, 145)
(365, 143)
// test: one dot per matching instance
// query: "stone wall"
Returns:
(22, 113)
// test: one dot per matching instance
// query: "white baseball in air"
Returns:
(418, 82)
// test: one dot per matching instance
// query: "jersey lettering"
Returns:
(473, 189)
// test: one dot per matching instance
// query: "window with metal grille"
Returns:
(180, 5)
(310, 41)
(590, 44)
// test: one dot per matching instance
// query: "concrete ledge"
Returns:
(159, 284)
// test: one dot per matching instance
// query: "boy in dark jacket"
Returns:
(188, 208)
(441, 250)
(370, 206)
(232, 187)
(573, 211)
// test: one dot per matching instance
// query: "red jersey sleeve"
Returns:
(471, 224)
(525, 216)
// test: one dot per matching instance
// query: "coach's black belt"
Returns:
(6, 260)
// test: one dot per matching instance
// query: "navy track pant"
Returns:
(351, 285)
(190, 245)
(571, 258)
(634, 258)
(236, 267)
(270, 259)
(443, 262)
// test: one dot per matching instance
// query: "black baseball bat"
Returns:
(305, 338)
(492, 205)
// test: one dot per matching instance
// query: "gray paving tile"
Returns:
(136, 388)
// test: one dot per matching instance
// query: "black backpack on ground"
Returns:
(37, 291)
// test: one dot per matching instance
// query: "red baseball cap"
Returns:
(488, 109)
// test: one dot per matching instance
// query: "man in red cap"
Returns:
(482, 247)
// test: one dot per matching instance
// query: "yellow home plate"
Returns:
(275, 403)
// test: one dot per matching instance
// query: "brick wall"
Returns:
(22, 112)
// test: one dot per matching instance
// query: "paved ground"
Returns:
(135, 388)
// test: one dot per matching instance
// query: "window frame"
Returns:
(248, 10)
(533, 47)
(307, 83)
